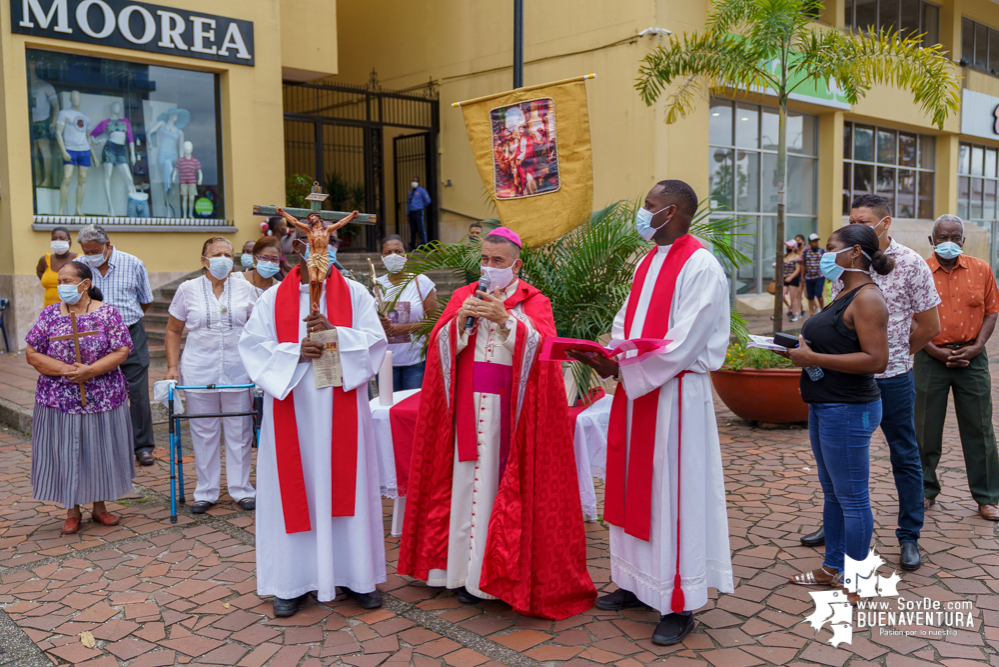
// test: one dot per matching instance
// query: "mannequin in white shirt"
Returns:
(78, 161)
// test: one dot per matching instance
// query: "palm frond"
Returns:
(716, 60)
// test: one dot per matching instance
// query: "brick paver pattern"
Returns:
(155, 593)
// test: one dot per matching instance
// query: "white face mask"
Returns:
(60, 247)
(96, 260)
(876, 226)
(394, 263)
(498, 278)
(414, 185)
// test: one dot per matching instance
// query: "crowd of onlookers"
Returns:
(899, 335)
(85, 436)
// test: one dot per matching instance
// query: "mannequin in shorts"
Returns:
(116, 156)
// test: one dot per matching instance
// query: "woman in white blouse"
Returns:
(408, 310)
(214, 308)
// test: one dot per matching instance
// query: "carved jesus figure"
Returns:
(318, 260)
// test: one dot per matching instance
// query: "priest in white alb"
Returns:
(319, 515)
(665, 494)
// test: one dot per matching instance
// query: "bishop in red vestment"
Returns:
(493, 507)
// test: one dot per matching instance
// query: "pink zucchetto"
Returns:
(508, 234)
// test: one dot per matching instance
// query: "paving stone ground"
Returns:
(156, 594)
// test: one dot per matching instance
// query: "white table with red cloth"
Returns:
(589, 443)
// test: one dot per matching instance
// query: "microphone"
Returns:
(482, 287)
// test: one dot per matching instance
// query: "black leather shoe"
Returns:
(247, 504)
(618, 600)
(284, 608)
(816, 539)
(464, 597)
(145, 458)
(372, 600)
(672, 629)
(909, 558)
(201, 507)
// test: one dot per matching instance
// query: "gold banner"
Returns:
(532, 149)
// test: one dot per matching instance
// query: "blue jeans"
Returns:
(898, 399)
(411, 377)
(841, 442)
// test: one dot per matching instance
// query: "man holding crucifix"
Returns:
(319, 515)
(81, 445)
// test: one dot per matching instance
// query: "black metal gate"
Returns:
(411, 153)
(334, 134)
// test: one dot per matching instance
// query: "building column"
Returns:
(945, 190)
(830, 187)
(833, 12)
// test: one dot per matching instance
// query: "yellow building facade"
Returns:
(465, 50)
(222, 72)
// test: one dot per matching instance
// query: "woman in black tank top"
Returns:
(843, 347)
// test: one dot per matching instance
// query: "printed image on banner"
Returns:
(525, 154)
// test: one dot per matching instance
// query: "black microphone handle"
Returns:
(470, 321)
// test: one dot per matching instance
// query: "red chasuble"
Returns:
(291, 480)
(535, 557)
(628, 493)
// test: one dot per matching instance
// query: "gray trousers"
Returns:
(136, 370)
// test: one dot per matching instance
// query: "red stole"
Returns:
(291, 477)
(628, 494)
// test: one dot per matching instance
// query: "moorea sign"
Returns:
(137, 25)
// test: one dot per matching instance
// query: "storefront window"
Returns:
(113, 138)
(977, 183)
(743, 180)
(895, 165)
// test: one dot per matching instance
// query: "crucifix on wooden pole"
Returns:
(76, 336)
(317, 234)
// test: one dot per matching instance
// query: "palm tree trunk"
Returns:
(781, 190)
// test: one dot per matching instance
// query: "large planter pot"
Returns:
(762, 394)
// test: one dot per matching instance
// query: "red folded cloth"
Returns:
(402, 417)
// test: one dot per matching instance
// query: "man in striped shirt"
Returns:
(123, 280)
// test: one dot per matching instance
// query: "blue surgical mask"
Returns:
(833, 271)
(643, 222)
(219, 267)
(267, 269)
(948, 250)
(246, 260)
(330, 250)
(69, 294)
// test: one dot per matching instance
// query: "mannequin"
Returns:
(114, 154)
(169, 135)
(44, 111)
(77, 149)
(188, 174)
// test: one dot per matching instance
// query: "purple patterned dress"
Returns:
(81, 454)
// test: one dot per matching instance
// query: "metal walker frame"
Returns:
(176, 455)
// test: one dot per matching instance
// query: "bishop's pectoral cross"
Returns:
(317, 234)
(76, 336)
